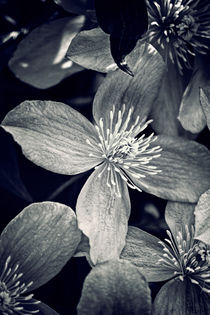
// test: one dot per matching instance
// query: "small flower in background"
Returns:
(60, 139)
(180, 28)
(34, 247)
(182, 258)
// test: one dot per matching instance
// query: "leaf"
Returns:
(138, 92)
(41, 239)
(53, 136)
(125, 22)
(9, 170)
(40, 57)
(90, 49)
(185, 170)
(181, 297)
(144, 251)
(205, 103)
(102, 216)
(178, 215)
(115, 287)
(202, 218)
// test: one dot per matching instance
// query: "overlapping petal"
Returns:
(115, 287)
(181, 297)
(185, 170)
(40, 239)
(144, 251)
(102, 216)
(202, 218)
(40, 59)
(205, 103)
(138, 92)
(53, 136)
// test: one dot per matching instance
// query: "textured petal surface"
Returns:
(202, 218)
(185, 170)
(90, 49)
(115, 287)
(205, 103)
(144, 251)
(102, 216)
(53, 136)
(41, 239)
(181, 297)
(139, 91)
(178, 215)
(40, 57)
(43, 308)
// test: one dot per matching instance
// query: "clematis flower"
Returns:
(60, 139)
(182, 260)
(28, 255)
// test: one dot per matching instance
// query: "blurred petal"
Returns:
(191, 114)
(205, 103)
(166, 105)
(40, 57)
(90, 49)
(178, 215)
(181, 297)
(202, 218)
(53, 135)
(115, 287)
(144, 251)
(102, 216)
(185, 170)
(138, 92)
(41, 239)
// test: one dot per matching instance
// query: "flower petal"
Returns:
(40, 57)
(166, 105)
(181, 297)
(205, 103)
(185, 170)
(102, 216)
(202, 218)
(191, 115)
(90, 49)
(115, 287)
(41, 239)
(43, 308)
(75, 6)
(178, 215)
(138, 92)
(144, 251)
(53, 136)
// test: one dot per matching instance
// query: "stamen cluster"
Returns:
(188, 258)
(11, 290)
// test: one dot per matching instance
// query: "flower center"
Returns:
(125, 153)
(11, 301)
(188, 257)
(180, 27)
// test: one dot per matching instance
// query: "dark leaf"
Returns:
(125, 22)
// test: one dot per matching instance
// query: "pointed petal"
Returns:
(181, 297)
(144, 251)
(185, 170)
(102, 216)
(115, 287)
(53, 136)
(205, 103)
(178, 215)
(166, 105)
(202, 218)
(90, 49)
(41, 239)
(40, 57)
(191, 114)
(138, 92)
